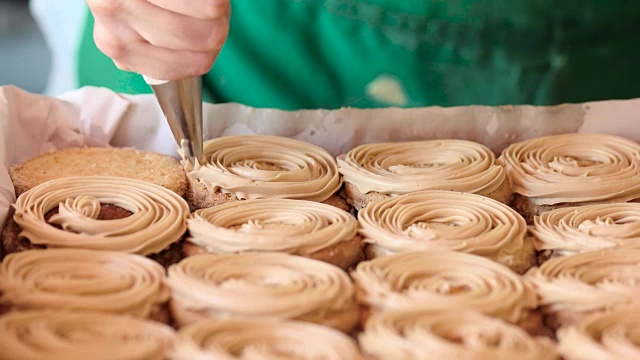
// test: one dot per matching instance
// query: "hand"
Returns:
(162, 39)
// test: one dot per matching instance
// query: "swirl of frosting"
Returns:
(293, 226)
(262, 285)
(262, 166)
(423, 334)
(573, 168)
(447, 220)
(439, 280)
(44, 335)
(602, 336)
(587, 282)
(159, 215)
(400, 168)
(82, 280)
(262, 339)
(586, 228)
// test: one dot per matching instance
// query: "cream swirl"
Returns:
(603, 336)
(439, 280)
(262, 339)
(82, 280)
(422, 334)
(45, 335)
(400, 168)
(573, 168)
(447, 220)
(293, 226)
(262, 285)
(159, 215)
(261, 166)
(587, 282)
(574, 230)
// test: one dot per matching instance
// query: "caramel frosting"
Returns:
(262, 166)
(604, 336)
(262, 339)
(422, 334)
(82, 280)
(446, 220)
(574, 168)
(292, 226)
(159, 215)
(47, 335)
(439, 280)
(261, 285)
(586, 228)
(588, 282)
(404, 167)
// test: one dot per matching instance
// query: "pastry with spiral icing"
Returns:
(445, 281)
(378, 171)
(100, 213)
(605, 336)
(299, 227)
(572, 169)
(263, 167)
(579, 229)
(446, 220)
(46, 335)
(573, 287)
(423, 334)
(84, 281)
(231, 339)
(261, 286)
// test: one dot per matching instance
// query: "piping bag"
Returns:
(181, 103)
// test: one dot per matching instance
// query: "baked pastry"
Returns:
(100, 213)
(573, 230)
(156, 168)
(572, 169)
(445, 281)
(261, 286)
(262, 339)
(310, 229)
(572, 287)
(610, 335)
(84, 280)
(422, 334)
(263, 167)
(34, 335)
(377, 171)
(446, 220)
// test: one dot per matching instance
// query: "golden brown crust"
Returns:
(359, 200)
(156, 168)
(344, 255)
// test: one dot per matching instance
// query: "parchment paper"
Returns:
(32, 124)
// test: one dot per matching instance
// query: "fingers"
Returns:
(161, 38)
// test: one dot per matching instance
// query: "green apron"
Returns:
(371, 53)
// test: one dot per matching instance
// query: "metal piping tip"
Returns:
(181, 103)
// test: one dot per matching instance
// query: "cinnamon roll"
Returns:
(100, 213)
(610, 335)
(445, 281)
(423, 334)
(35, 335)
(84, 280)
(571, 287)
(298, 227)
(262, 339)
(447, 220)
(263, 167)
(572, 169)
(573, 230)
(377, 171)
(261, 286)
